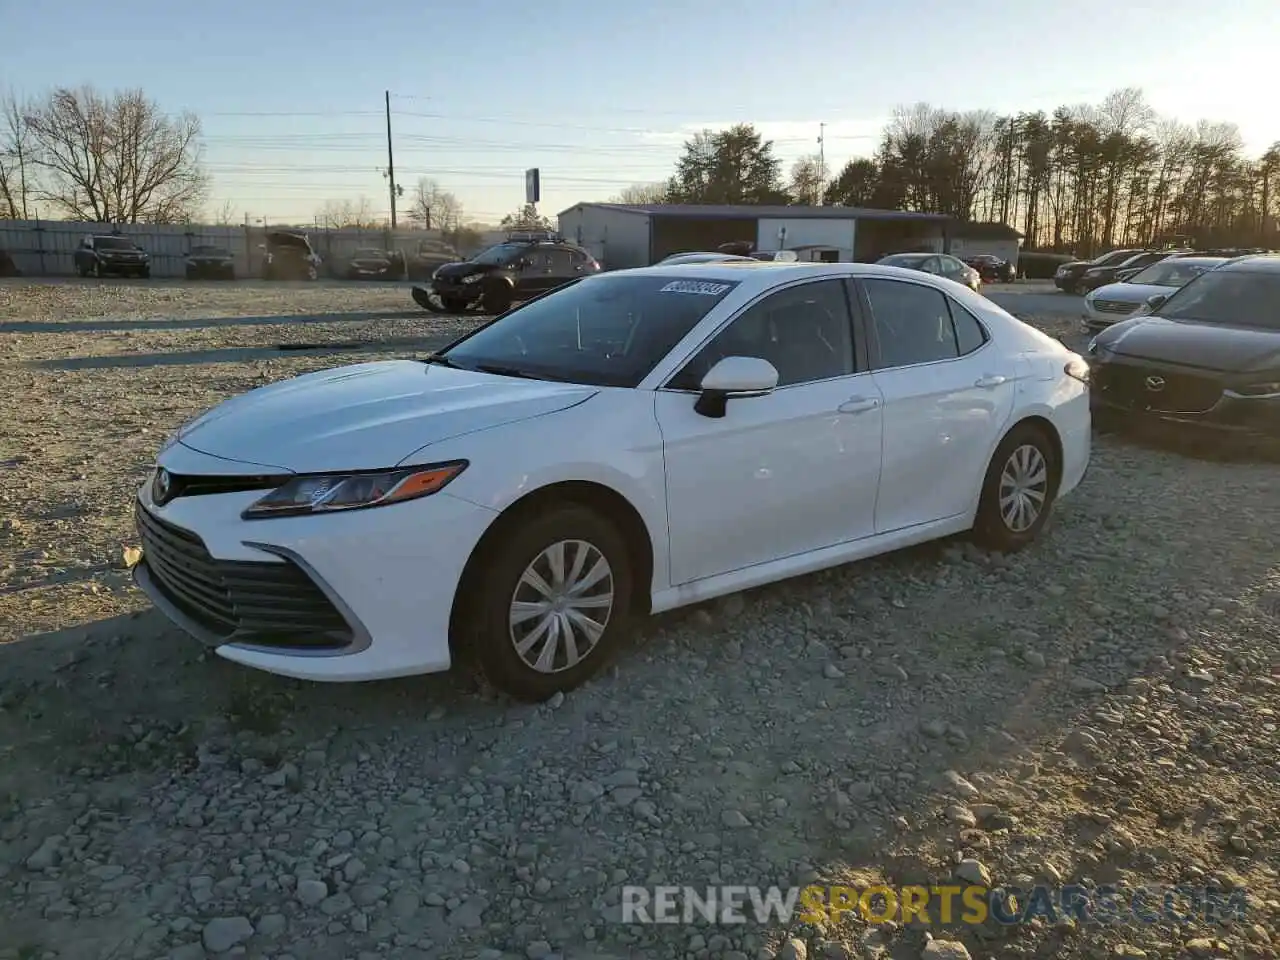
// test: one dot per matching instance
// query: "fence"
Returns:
(45, 248)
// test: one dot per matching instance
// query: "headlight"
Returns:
(1077, 369)
(1268, 390)
(474, 278)
(330, 493)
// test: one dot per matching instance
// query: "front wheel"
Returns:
(1018, 491)
(497, 298)
(553, 603)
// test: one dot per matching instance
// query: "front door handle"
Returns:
(858, 405)
(991, 381)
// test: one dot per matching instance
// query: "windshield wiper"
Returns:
(441, 360)
(501, 371)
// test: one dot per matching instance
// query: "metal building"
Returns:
(636, 235)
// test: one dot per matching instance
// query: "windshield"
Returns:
(113, 243)
(1115, 258)
(1234, 298)
(905, 260)
(371, 253)
(208, 252)
(605, 331)
(499, 254)
(1171, 273)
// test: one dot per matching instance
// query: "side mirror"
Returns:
(732, 377)
(1157, 300)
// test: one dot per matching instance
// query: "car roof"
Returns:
(1196, 258)
(761, 275)
(1254, 263)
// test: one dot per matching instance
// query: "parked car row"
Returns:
(285, 255)
(1200, 359)
(1111, 303)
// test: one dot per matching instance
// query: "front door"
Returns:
(947, 395)
(783, 474)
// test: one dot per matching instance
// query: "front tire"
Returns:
(497, 298)
(1018, 491)
(552, 603)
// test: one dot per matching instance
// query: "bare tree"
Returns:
(526, 218)
(225, 215)
(807, 181)
(17, 159)
(117, 158)
(337, 214)
(642, 193)
(433, 207)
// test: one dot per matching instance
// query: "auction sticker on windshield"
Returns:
(702, 287)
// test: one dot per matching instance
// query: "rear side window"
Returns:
(970, 334)
(914, 324)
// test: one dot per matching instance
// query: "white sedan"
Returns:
(630, 443)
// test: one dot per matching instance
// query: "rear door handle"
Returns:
(991, 381)
(858, 405)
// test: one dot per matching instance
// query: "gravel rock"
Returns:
(221, 934)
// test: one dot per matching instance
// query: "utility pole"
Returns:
(822, 161)
(391, 164)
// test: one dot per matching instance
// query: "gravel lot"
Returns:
(1100, 708)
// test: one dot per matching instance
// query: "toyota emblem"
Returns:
(1155, 384)
(162, 487)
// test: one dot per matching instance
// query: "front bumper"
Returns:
(455, 290)
(363, 595)
(124, 266)
(1066, 283)
(1193, 410)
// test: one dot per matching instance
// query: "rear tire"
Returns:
(1018, 491)
(557, 586)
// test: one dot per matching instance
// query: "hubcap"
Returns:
(1024, 484)
(561, 606)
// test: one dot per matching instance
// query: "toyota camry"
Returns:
(629, 443)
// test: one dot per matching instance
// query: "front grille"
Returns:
(264, 603)
(1181, 393)
(195, 485)
(1114, 306)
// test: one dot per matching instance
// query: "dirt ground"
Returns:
(1100, 709)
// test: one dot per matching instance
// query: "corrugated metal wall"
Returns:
(44, 248)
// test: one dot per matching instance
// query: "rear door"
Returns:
(947, 395)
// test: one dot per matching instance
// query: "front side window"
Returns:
(804, 331)
(913, 324)
(607, 330)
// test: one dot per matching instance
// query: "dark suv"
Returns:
(521, 267)
(98, 256)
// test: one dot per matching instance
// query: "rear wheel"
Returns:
(551, 603)
(1018, 491)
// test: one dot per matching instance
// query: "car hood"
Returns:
(367, 415)
(1135, 293)
(1210, 346)
(456, 271)
(211, 257)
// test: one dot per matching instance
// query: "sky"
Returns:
(602, 94)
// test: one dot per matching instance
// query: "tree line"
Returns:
(1083, 179)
